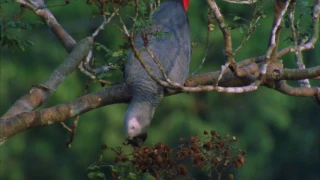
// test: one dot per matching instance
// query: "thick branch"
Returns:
(296, 74)
(284, 88)
(16, 124)
(40, 93)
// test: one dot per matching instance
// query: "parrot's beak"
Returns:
(136, 141)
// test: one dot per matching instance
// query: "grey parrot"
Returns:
(172, 49)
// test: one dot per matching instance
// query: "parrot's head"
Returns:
(138, 118)
(136, 125)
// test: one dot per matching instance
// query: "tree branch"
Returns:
(284, 88)
(23, 121)
(39, 8)
(40, 93)
(241, 1)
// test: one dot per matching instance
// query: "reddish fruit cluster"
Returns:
(210, 152)
(156, 160)
(153, 159)
(213, 150)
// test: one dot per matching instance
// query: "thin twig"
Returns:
(241, 1)
(226, 34)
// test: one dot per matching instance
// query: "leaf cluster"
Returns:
(11, 40)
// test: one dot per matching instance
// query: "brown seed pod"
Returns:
(136, 155)
(192, 139)
(230, 177)
(202, 158)
(195, 148)
(159, 161)
(159, 145)
(241, 159)
(183, 170)
(214, 162)
(116, 159)
(155, 173)
(167, 150)
(213, 133)
(237, 164)
(207, 146)
(142, 168)
(197, 159)
(226, 153)
(124, 159)
(185, 151)
(146, 149)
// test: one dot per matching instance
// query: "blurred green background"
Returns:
(280, 133)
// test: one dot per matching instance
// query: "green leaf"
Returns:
(114, 169)
(21, 46)
(101, 158)
(236, 18)
(93, 167)
(29, 42)
(91, 175)
(131, 176)
(96, 175)
(100, 175)
(117, 53)
(12, 24)
(28, 26)
(241, 30)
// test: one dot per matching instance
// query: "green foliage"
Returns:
(302, 23)
(11, 40)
